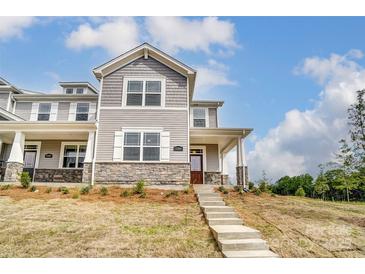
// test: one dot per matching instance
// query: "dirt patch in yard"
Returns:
(304, 227)
(114, 195)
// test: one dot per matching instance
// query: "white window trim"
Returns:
(144, 79)
(88, 112)
(141, 131)
(62, 152)
(38, 149)
(204, 149)
(206, 117)
(73, 91)
(83, 91)
(50, 110)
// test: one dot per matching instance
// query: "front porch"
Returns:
(208, 150)
(57, 152)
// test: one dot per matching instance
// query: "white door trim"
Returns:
(204, 148)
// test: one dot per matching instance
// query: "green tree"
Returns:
(320, 186)
(300, 192)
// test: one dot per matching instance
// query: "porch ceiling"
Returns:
(226, 138)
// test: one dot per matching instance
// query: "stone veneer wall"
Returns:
(212, 178)
(239, 175)
(58, 175)
(13, 172)
(152, 173)
(225, 179)
(86, 172)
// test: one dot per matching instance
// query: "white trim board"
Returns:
(204, 148)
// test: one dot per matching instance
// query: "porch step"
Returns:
(229, 232)
(215, 215)
(212, 203)
(250, 254)
(224, 221)
(210, 199)
(216, 209)
(208, 194)
(242, 244)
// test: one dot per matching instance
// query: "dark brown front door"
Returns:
(196, 169)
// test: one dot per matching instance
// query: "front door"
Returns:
(196, 169)
(29, 162)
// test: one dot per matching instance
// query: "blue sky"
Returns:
(267, 68)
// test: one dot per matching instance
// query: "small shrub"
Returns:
(273, 195)
(6, 187)
(139, 187)
(75, 195)
(250, 185)
(125, 193)
(222, 189)
(257, 192)
(187, 190)
(225, 191)
(64, 190)
(142, 195)
(300, 192)
(172, 193)
(25, 179)
(103, 191)
(49, 190)
(32, 189)
(85, 190)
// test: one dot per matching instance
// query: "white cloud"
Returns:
(176, 33)
(13, 26)
(307, 138)
(116, 35)
(212, 75)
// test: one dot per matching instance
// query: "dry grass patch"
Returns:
(304, 227)
(52, 224)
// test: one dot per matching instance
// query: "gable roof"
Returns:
(7, 86)
(145, 50)
(10, 116)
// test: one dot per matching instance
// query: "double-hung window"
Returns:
(73, 156)
(141, 146)
(69, 91)
(199, 117)
(82, 112)
(79, 91)
(44, 111)
(144, 93)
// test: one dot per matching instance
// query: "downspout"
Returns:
(96, 134)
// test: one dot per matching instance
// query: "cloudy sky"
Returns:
(291, 79)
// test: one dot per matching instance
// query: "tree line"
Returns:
(341, 179)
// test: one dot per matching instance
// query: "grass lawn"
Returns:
(40, 224)
(304, 227)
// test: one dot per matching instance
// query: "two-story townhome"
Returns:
(142, 123)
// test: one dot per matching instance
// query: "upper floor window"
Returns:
(82, 112)
(79, 91)
(144, 93)
(44, 111)
(141, 145)
(69, 90)
(199, 117)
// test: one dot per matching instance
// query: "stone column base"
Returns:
(239, 175)
(13, 171)
(246, 176)
(224, 179)
(86, 173)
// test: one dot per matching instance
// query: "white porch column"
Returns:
(17, 149)
(1, 145)
(89, 147)
(241, 162)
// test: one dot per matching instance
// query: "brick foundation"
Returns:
(212, 178)
(152, 173)
(13, 171)
(58, 175)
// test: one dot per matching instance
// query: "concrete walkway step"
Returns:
(215, 215)
(212, 203)
(216, 209)
(225, 221)
(227, 232)
(208, 194)
(250, 254)
(242, 244)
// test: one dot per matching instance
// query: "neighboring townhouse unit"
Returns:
(141, 124)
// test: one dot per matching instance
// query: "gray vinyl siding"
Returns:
(174, 121)
(212, 157)
(212, 114)
(23, 109)
(176, 84)
(4, 97)
(63, 110)
(52, 147)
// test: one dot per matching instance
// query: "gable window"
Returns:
(199, 117)
(141, 146)
(69, 90)
(82, 112)
(144, 92)
(44, 111)
(73, 155)
(79, 91)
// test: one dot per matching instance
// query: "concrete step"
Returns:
(211, 199)
(215, 209)
(250, 254)
(229, 232)
(215, 215)
(208, 194)
(242, 244)
(225, 221)
(212, 203)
